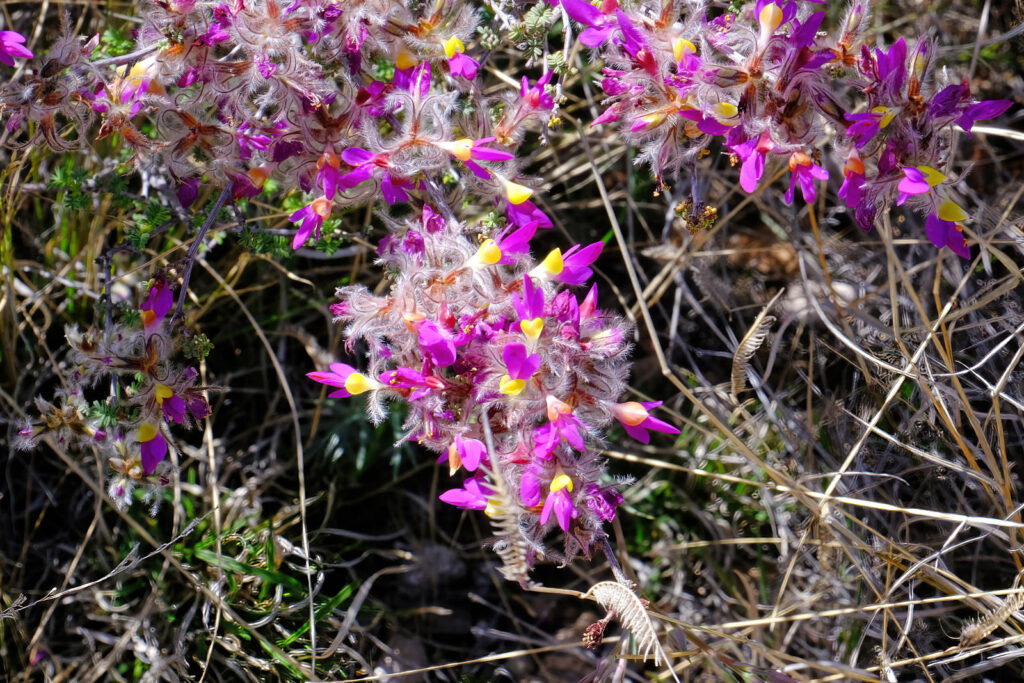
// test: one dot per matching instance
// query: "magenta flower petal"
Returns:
(437, 343)
(152, 452)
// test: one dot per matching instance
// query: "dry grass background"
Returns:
(854, 515)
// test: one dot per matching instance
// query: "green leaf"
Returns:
(231, 564)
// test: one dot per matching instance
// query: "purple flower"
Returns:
(472, 496)
(527, 212)
(946, 234)
(468, 453)
(521, 364)
(311, 219)
(562, 424)
(10, 47)
(347, 378)
(603, 501)
(572, 268)
(156, 307)
(636, 420)
(531, 305)
(600, 26)
(436, 343)
(172, 405)
(406, 378)
(987, 109)
(460, 64)
(152, 447)
(803, 172)
(560, 502)
(536, 97)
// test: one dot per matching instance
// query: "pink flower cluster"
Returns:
(246, 90)
(766, 83)
(152, 394)
(484, 343)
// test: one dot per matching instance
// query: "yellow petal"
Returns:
(405, 60)
(147, 432)
(932, 176)
(552, 263)
(725, 110)
(532, 328)
(680, 47)
(488, 253)
(951, 211)
(562, 481)
(357, 383)
(453, 45)
(511, 387)
(462, 149)
(516, 193)
(163, 392)
(493, 508)
(770, 18)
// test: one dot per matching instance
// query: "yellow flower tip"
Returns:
(357, 383)
(404, 60)
(725, 110)
(488, 254)
(511, 387)
(888, 114)
(532, 328)
(147, 432)
(653, 119)
(462, 149)
(951, 211)
(493, 508)
(163, 392)
(682, 47)
(516, 193)
(552, 264)
(770, 18)
(148, 317)
(562, 481)
(452, 46)
(931, 176)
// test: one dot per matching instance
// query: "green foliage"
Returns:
(115, 42)
(153, 216)
(197, 346)
(260, 241)
(70, 178)
(529, 35)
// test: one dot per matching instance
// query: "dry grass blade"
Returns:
(631, 615)
(751, 341)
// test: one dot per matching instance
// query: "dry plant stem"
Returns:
(299, 453)
(776, 475)
(169, 557)
(193, 249)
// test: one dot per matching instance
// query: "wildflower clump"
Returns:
(774, 88)
(149, 394)
(509, 376)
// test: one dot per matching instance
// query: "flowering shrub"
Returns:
(508, 375)
(767, 83)
(150, 392)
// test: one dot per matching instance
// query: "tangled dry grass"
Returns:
(850, 510)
